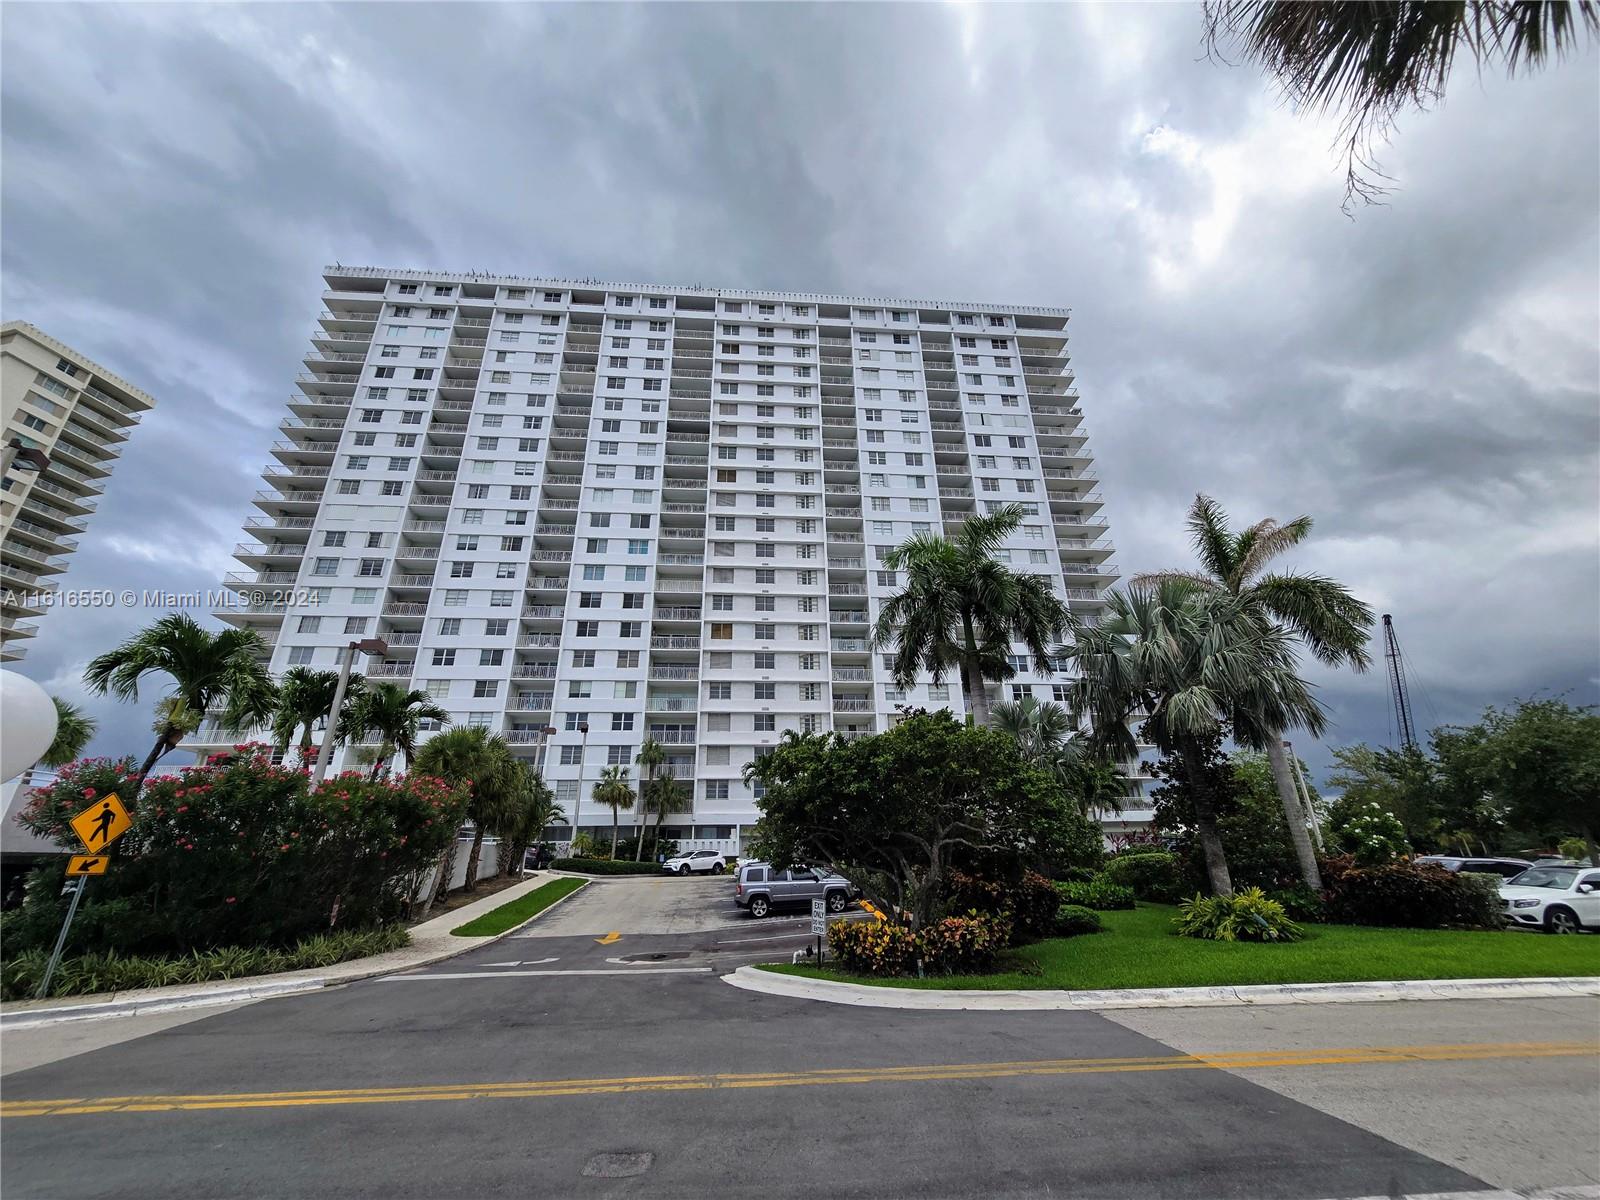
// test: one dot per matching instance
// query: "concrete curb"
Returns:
(753, 979)
(260, 987)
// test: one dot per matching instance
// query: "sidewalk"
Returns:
(431, 942)
(771, 983)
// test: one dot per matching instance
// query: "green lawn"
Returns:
(509, 916)
(1139, 950)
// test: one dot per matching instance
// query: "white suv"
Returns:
(1557, 899)
(695, 862)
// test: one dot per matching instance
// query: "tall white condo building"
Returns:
(653, 511)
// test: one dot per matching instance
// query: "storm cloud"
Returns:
(1422, 378)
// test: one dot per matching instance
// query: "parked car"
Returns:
(1556, 899)
(696, 862)
(761, 888)
(1506, 868)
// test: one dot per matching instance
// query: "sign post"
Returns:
(97, 826)
(819, 924)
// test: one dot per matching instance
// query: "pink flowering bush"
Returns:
(238, 851)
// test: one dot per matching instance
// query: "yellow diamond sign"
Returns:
(102, 823)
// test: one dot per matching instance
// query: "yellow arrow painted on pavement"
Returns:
(613, 936)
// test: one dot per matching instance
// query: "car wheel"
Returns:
(1562, 920)
(684, 869)
(717, 868)
(837, 902)
(759, 906)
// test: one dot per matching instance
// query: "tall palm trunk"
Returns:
(616, 819)
(644, 817)
(1293, 811)
(975, 693)
(471, 881)
(1205, 819)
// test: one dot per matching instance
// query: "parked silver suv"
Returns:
(760, 888)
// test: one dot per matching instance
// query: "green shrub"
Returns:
(235, 852)
(1098, 893)
(605, 866)
(1407, 895)
(1155, 876)
(1367, 832)
(1302, 903)
(1480, 900)
(1028, 905)
(1073, 919)
(1247, 916)
(873, 947)
(1075, 875)
(964, 945)
(111, 972)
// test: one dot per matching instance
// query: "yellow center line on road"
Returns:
(1236, 1061)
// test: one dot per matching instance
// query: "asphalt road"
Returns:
(599, 1055)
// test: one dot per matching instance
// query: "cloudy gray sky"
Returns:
(1423, 379)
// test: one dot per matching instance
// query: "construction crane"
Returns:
(1397, 686)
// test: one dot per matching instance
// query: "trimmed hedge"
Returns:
(1155, 876)
(605, 866)
(1247, 916)
(1408, 895)
(111, 972)
(1074, 919)
(964, 945)
(1099, 893)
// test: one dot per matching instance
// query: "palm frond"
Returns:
(1269, 540)
(1208, 531)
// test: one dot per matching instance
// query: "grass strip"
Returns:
(1139, 950)
(515, 912)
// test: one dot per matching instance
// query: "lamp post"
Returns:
(545, 734)
(577, 804)
(31, 457)
(365, 646)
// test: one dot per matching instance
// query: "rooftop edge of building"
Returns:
(340, 271)
(136, 397)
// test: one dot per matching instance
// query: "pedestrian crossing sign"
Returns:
(102, 823)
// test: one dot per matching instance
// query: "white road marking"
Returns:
(521, 962)
(510, 974)
(772, 938)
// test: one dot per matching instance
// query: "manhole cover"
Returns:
(659, 956)
(619, 1165)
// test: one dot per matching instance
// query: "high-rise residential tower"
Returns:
(620, 511)
(58, 403)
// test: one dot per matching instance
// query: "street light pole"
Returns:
(15, 448)
(325, 754)
(577, 804)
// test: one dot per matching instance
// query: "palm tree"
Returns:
(74, 730)
(615, 793)
(395, 715)
(1374, 61)
(652, 754)
(473, 758)
(1318, 611)
(221, 669)
(1047, 737)
(304, 698)
(533, 808)
(668, 796)
(962, 607)
(1195, 662)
